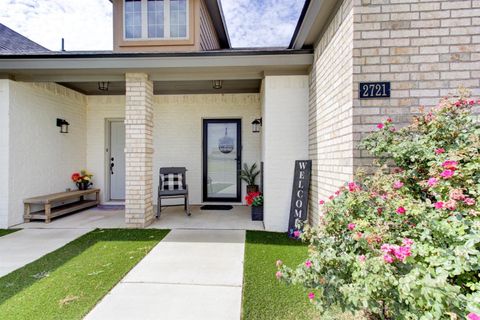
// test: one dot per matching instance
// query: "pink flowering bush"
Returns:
(404, 242)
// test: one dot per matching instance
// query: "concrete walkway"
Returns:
(22, 247)
(191, 274)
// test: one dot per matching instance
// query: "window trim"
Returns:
(166, 23)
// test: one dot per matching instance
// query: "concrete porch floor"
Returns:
(171, 218)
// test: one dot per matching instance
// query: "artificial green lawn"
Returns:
(4, 232)
(264, 297)
(68, 282)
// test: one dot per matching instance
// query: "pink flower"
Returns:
(432, 182)
(308, 264)
(379, 210)
(447, 174)
(311, 296)
(389, 120)
(321, 202)
(439, 151)
(351, 226)
(352, 187)
(296, 233)
(393, 129)
(387, 258)
(331, 197)
(279, 263)
(451, 205)
(458, 104)
(469, 201)
(397, 184)
(439, 205)
(380, 126)
(337, 192)
(278, 274)
(473, 316)
(450, 164)
(457, 194)
(401, 210)
(362, 258)
(471, 102)
(407, 242)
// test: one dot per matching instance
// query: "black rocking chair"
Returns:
(170, 194)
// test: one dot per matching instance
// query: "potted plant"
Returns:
(249, 175)
(255, 199)
(82, 179)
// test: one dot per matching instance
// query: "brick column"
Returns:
(138, 150)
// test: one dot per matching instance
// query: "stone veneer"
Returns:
(426, 48)
(138, 150)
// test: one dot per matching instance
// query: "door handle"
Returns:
(112, 165)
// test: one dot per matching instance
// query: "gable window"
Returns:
(155, 19)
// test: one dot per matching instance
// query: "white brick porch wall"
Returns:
(284, 140)
(4, 151)
(41, 159)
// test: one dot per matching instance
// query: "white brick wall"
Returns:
(100, 108)
(177, 135)
(284, 140)
(178, 127)
(41, 158)
(4, 151)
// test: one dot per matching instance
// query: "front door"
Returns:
(222, 150)
(117, 160)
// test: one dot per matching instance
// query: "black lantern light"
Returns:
(217, 84)
(225, 144)
(103, 85)
(63, 124)
(256, 124)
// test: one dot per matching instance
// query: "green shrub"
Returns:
(404, 243)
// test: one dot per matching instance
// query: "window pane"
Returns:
(133, 19)
(155, 18)
(178, 18)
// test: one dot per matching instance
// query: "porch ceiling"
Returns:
(91, 67)
(171, 87)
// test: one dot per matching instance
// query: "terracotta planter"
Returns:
(252, 188)
(257, 213)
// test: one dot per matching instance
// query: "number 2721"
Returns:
(374, 90)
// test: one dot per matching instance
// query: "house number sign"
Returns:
(301, 186)
(374, 90)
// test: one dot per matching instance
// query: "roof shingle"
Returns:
(13, 42)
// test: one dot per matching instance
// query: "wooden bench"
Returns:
(48, 201)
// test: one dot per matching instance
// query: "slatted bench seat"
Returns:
(58, 204)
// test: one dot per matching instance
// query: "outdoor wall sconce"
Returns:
(217, 84)
(103, 85)
(256, 124)
(63, 124)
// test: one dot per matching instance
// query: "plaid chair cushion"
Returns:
(172, 181)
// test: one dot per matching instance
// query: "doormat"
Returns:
(110, 207)
(216, 207)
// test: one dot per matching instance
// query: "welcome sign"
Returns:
(301, 186)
